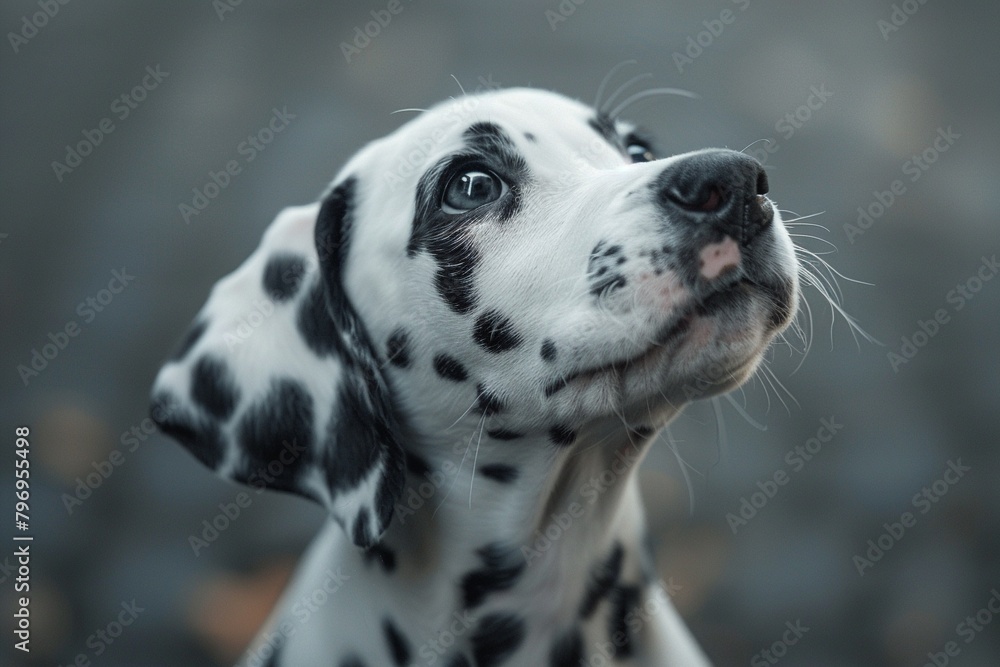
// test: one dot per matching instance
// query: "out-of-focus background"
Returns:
(879, 118)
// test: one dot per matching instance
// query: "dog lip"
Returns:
(722, 297)
(726, 296)
(666, 335)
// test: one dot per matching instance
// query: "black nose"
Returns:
(719, 191)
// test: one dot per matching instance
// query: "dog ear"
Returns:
(277, 384)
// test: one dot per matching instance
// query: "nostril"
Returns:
(762, 187)
(706, 199)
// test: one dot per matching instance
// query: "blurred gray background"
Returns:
(887, 96)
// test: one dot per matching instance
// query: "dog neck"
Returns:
(536, 541)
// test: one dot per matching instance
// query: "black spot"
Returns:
(365, 431)
(495, 332)
(361, 533)
(499, 472)
(283, 275)
(625, 600)
(501, 570)
(602, 269)
(351, 661)
(530, 137)
(562, 435)
(333, 225)
(213, 388)
(189, 340)
(604, 125)
(503, 434)
(567, 651)
(398, 349)
(453, 281)
(603, 578)
(389, 489)
(489, 403)
(549, 349)
(362, 436)
(199, 436)
(326, 310)
(315, 323)
(450, 368)
(385, 556)
(277, 435)
(417, 465)
(399, 648)
(496, 638)
(352, 447)
(558, 385)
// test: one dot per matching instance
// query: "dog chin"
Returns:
(651, 388)
(712, 358)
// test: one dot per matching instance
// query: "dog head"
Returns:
(511, 261)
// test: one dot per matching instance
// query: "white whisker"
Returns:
(607, 79)
(648, 93)
(635, 79)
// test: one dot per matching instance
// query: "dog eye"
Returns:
(639, 152)
(471, 189)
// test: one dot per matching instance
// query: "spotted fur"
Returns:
(488, 315)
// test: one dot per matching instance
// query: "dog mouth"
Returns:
(666, 340)
(673, 334)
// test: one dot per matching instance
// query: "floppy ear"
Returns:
(277, 385)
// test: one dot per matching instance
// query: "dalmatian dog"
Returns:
(463, 351)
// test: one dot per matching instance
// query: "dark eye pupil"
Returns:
(476, 185)
(639, 153)
(471, 190)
